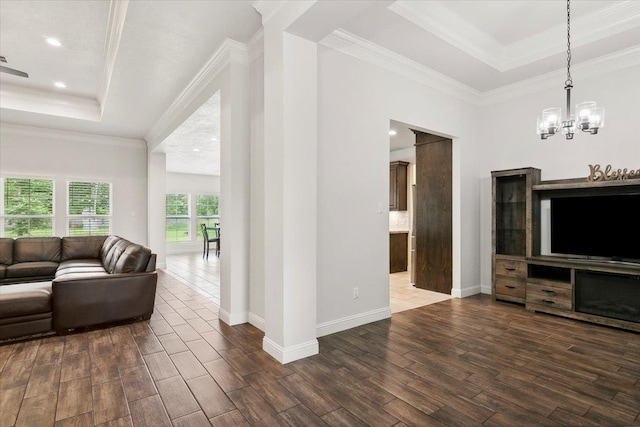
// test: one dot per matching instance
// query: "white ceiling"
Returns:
(126, 62)
(404, 137)
(194, 147)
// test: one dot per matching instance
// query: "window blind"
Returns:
(89, 208)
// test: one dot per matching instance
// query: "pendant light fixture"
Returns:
(590, 118)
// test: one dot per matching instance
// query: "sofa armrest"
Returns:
(96, 300)
(151, 265)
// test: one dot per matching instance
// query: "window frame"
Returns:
(205, 218)
(178, 217)
(70, 216)
(4, 216)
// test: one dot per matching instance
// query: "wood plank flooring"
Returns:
(458, 362)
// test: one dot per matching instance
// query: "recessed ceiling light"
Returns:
(61, 85)
(214, 139)
(392, 132)
(54, 42)
(195, 149)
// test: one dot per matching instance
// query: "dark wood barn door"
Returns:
(434, 251)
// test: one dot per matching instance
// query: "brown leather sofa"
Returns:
(59, 284)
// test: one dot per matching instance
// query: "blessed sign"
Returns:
(596, 173)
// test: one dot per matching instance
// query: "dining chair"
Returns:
(208, 240)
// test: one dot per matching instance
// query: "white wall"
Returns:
(257, 222)
(66, 156)
(157, 205)
(513, 143)
(192, 183)
(356, 102)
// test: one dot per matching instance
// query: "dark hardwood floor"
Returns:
(457, 363)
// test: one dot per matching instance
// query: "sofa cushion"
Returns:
(110, 256)
(24, 299)
(134, 259)
(3, 271)
(82, 247)
(107, 245)
(71, 274)
(6, 250)
(32, 269)
(80, 263)
(29, 249)
(80, 269)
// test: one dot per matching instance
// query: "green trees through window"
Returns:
(207, 212)
(184, 216)
(178, 221)
(27, 207)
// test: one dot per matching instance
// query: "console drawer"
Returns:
(511, 268)
(512, 287)
(550, 296)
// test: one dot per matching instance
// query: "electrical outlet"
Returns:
(355, 293)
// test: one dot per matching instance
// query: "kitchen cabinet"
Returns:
(398, 251)
(398, 186)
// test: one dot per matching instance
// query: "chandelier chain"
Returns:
(569, 81)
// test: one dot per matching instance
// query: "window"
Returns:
(26, 208)
(206, 212)
(88, 208)
(178, 220)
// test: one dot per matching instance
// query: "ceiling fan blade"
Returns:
(4, 69)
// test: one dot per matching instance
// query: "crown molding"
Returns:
(450, 27)
(115, 26)
(593, 68)
(256, 45)
(76, 137)
(13, 97)
(590, 28)
(229, 52)
(268, 8)
(377, 55)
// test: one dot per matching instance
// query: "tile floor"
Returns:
(201, 275)
(404, 296)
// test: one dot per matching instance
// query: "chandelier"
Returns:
(590, 118)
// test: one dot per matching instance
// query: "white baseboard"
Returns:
(161, 265)
(256, 321)
(175, 248)
(232, 320)
(292, 353)
(465, 292)
(349, 322)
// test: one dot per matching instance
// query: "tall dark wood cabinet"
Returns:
(398, 186)
(515, 231)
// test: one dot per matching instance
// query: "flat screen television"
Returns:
(603, 227)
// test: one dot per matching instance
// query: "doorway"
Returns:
(403, 295)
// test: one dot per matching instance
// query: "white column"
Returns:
(234, 191)
(156, 206)
(290, 180)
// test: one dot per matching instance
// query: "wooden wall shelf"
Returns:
(583, 184)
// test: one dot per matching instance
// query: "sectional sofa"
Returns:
(53, 284)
